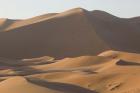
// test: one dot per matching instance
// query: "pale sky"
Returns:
(21, 9)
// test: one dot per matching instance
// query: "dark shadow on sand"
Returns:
(63, 87)
(126, 63)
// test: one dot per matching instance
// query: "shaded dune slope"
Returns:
(5, 23)
(124, 63)
(66, 34)
(30, 21)
(119, 33)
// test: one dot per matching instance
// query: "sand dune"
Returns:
(78, 62)
(30, 21)
(76, 51)
(21, 85)
(103, 73)
(72, 33)
(5, 23)
(109, 28)
(68, 34)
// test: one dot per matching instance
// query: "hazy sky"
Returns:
(16, 9)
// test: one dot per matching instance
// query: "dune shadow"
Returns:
(126, 63)
(6, 24)
(63, 87)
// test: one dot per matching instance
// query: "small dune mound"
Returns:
(44, 58)
(134, 57)
(110, 54)
(21, 85)
(82, 61)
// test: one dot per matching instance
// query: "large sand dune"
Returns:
(66, 34)
(76, 51)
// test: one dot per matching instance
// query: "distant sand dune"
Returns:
(65, 35)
